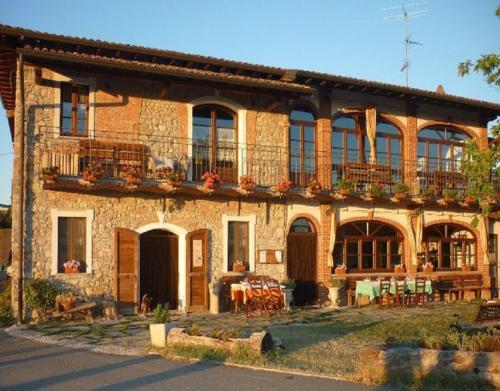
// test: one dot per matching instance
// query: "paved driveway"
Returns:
(29, 365)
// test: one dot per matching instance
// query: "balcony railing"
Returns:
(157, 156)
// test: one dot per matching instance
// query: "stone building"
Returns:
(132, 131)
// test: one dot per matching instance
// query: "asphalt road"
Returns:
(29, 365)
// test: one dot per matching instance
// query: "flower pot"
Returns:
(428, 269)
(288, 297)
(340, 271)
(239, 268)
(399, 195)
(158, 334)
(71, 270)
(49, 178)
(68, 304)
(399, 269)
(333, 295)
(466, 268)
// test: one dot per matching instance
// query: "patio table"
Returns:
(372, 288)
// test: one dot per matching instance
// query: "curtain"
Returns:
(333, 234)
(371, 130)
(419, 232)
(411, 237)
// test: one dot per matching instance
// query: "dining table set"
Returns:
(395, 290)
(261, 293)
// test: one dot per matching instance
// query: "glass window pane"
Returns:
(382, 254)
(344, 123)
(352, 148)
(367, 255)
(337, 147)
(381, 150)
(66, 109)
(433, 157)
(338, 250)
(299, 115)
(308, 134)
(352, 255)
(433, 134)
(301, 225)
(385, 127)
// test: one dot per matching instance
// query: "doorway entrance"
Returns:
(301, 261)
(159, 274)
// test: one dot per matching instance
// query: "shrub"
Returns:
(161, 314)
(193, 329)
(6, 318)
(39, 294)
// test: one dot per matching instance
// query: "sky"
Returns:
(349, 38)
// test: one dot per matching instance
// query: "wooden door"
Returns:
(197, 271)
(126, 263)
(301, 266)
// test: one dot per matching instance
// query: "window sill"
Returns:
(73, 274)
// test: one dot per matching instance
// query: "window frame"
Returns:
(301, 175)
(374, 240)
(251, 220)
(88, 214)
(439, 240)
(74, 93)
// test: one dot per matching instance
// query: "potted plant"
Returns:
(158, 328)
(65, 302)
(72, 266)
(427, 194)
(449, 195)
(401, 191)
(313, 186)
(428, 267)
(211, 182)
(399, 268)
(239, 266)
(344, 187)
(340, 269)
(284, 186)
(49, 174)
(174, 179)
(467, 199)
(247, 184)
(333, 290)
(289, 285)
(132, 175)
(93, 172)
(375, 190)
(466, 267)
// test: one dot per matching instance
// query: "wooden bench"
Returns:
(82, 309)
(368, 173)
(487, 317)
(112, 155)
(458, 285)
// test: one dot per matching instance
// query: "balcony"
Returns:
(157, 157)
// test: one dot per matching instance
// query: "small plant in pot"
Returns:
(401, 191)
(72, 266)
(450, 195)
(289, 285)
(283, 187)
(93, 172)
(399, 268)
(344, 187)
(427, 194)
(158, 328)
(174, 179)
(211, 182)
(132, 175)
(333, 290)
(239, 266)
(466, 267)
(340, 269)
(428, 267)
(375, 190)
(247, 184)
(467, 199)
(49, 174)
(313, 185)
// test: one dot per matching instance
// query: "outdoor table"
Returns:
(372, 288)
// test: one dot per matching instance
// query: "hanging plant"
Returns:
(401, 191)
(93, 172)
(211, 182)
(344, 187)
(247, 184)
(284, 186)
(132, 175)
(375, 190)
(49, 174)
(313, 186)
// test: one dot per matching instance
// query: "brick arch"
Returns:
(311, 218)
(467, 226)
(307, 103)
(469, 132)
(395, 121)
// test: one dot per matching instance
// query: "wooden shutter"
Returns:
(126, 265)
(197, 271)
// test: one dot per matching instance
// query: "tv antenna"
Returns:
(404, 16)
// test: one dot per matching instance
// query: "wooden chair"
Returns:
(385, 287)
(256, 298)
(400, 294)
(418, 297)
(274, 300)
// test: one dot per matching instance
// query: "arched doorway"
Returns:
(159, 267)
(301, 261)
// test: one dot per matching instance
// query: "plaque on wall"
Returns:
(197, 253)
(270, 256)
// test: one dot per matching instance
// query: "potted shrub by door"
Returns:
(289, 285)
(333, 291)
(158, 329)
(239, 266)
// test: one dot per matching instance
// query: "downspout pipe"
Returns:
(20, 190)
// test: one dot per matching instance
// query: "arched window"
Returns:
(215, 142)
(351, 147)
(440, 148)
(449, 246)
(368, 246)
(301, 225)
(302, 147)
